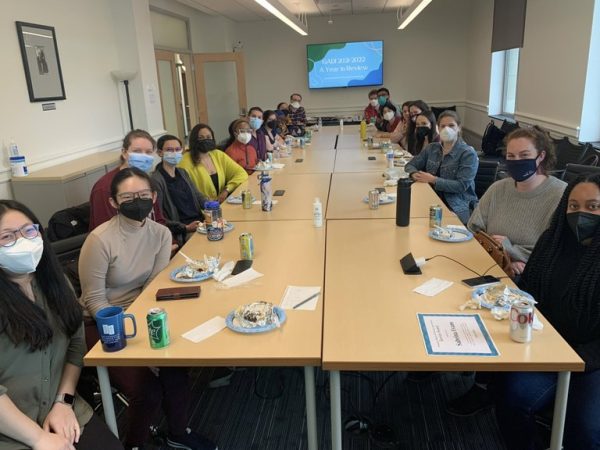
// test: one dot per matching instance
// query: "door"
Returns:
(221, 86)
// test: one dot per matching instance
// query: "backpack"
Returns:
(492, 139)
(69, 222)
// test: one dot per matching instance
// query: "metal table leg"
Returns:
(311, 407)
(336, 409)
(560, 410)
(107, 400)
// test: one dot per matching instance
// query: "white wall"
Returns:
(94, 38)
(426, 60)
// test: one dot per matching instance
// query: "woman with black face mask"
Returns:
(563, 275)
(426, 130)
(272, 131)
(214, 173)
(118, 259)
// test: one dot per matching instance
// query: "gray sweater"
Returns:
(520, 216)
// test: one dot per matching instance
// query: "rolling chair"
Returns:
(486, 175)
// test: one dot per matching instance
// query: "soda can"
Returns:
(435, 216)
(521, 322)
(246, 246)
(246, 199)
(158, 328)
(374, 199)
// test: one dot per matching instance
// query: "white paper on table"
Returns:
(205, 330)
(297, 294)
(456, 334)
(433, 287)
(277, 165)
(258, 202)
(241, 278)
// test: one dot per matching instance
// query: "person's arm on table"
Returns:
(93, 268)
(467, 168)
(234, 175)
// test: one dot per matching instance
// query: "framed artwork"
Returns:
(40, 61)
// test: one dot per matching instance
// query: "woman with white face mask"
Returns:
(240, 149)
(371, 112)
(391, 125)
(449, 166)
(42, 345)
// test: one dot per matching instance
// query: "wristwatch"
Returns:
(65, 399)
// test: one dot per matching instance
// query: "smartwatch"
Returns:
(65, 399)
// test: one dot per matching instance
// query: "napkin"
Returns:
(258, 202)
(242, 278)
(433, 287)
(205, 330)
(297, 294)
(277, 165)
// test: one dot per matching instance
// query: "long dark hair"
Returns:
(432, 132)
(584, 283)
(411, 131)
(129, 172)
(25, 322)
(194, 138)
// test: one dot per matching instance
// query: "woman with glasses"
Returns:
(214, 173)
(118, 259)
(179, 199)
(239, 147)
(41, 345)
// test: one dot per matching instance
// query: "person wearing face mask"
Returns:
(118, 259)
(515, 211)
(391, 125)
(42, 345)
(415, 108)
(297, 117)
(240, 149)
(214, 173)
(372, 110)
(426, 130)
(138, 151)
(272, 131)
(449, 166)
(257, 138)
(179, 199)
(563, 275)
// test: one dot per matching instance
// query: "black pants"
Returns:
(97, 436)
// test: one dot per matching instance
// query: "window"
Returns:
(503, 82)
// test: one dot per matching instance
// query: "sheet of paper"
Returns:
(277, 165)
(241, 278)
(205, 330)
(432, 287)
(294, 295)
(456, 334)
(257, 202)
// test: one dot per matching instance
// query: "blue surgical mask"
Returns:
(521, 169)
(382, 100)
(255, 123)
(141, 161)
(172, 158)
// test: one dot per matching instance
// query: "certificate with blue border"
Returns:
(456, 335)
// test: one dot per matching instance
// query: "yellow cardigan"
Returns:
(231, 174)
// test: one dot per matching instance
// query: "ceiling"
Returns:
(249, 10)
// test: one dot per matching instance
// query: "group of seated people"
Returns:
(140, 215)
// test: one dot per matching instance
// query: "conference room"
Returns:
(414, 159)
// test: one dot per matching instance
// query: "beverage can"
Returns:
(158, 328)
(246, 199)
(521, 322)
(374, 199)
(435, 216)
(246, 246)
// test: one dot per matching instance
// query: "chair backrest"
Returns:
(69, 222)
(568, 153)
(574, 170)
(485, 176)
(437, 110)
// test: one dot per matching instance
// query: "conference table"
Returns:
(366, 317)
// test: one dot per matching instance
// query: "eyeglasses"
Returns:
(9, 238)
(145, 194)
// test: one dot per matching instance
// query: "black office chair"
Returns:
(437, 110)
(486, 175)
(568, 153)
(574, 170)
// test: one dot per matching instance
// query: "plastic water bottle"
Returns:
(363, 130)
(214, 221)
(320, 124)
(317, 213)
(341, 124)
(13, 149)
(266, 192)
(403, 202)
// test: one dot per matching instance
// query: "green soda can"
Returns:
(246, 246)
(158, 328)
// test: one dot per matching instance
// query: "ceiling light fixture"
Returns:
(285, 15)
(412, 12)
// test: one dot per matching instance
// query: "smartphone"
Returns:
(177, 293)
(299, 160)
(371, 158)
(485, 280)
(278, 193)
(241, 265)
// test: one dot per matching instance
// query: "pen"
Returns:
(307, 300)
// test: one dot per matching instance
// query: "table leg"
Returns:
(311, 407)
(336, 409)
(107, 400)
(560, 410)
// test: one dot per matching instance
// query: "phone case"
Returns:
(177, 293)
(241, 265)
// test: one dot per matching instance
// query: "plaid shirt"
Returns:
(297, 118)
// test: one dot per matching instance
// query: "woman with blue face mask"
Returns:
(41, 345)
(563, 275)
(179, 199)
(257, 138)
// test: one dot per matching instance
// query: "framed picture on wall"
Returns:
(40, 61)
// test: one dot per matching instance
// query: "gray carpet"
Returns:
(263, 409)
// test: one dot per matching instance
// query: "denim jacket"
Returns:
(457, 174)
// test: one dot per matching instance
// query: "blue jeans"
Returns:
(520, 395)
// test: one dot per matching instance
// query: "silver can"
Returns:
(521, 322)
(435, 216)
(374, 199)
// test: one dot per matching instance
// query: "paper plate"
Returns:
(201, 276)
(455, 234)
(232, 326)
(236, 199)
(228, 226)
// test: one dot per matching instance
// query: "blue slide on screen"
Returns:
(345, 64)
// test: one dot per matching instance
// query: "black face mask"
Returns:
(272, 124)
(422, 132)
(583, 224)
(205, 145)
(137, 209)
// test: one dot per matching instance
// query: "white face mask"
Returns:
(374, 103)
(244, 138)
(389, 116)
(23, 257)
(448, 134)
(296, 105)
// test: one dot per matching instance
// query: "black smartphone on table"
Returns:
(278, 193)
(371, 158)
(485, 280)
(241, 265)
(299, 160)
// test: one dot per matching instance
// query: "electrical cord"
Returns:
(458, 262)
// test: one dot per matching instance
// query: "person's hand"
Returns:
(499, 238)
(518, 267)
(190, 227)
(423, 177)
(51, 441)
(223, 196)
(61, 420)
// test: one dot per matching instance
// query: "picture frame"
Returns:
(41, 62)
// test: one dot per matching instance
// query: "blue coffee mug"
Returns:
(111, 327)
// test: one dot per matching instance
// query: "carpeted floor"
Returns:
(263, 409)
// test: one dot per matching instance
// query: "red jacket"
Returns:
(371, 111)
(243, 154)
